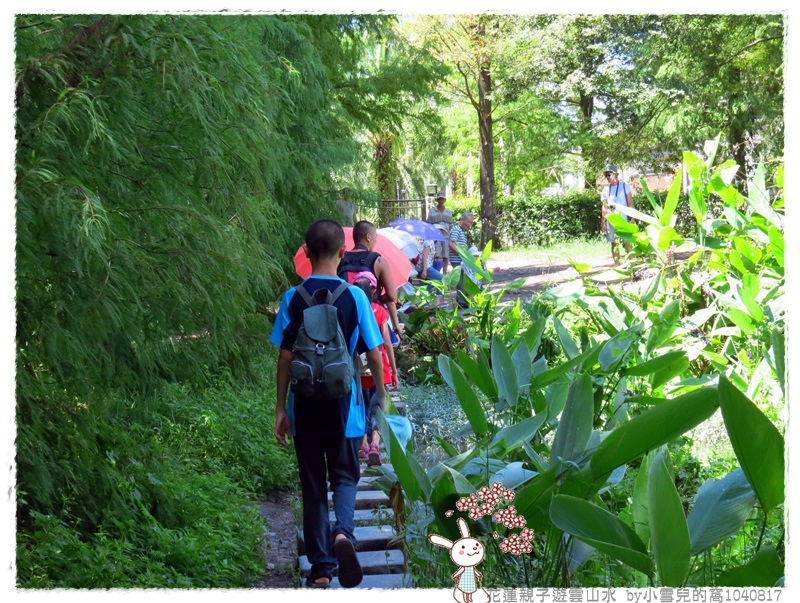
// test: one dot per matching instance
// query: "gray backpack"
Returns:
(321, 367)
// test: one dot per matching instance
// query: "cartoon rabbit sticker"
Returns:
(467, 552)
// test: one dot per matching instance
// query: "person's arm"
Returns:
(389, 296)
(387, 344)
(376, 368)
(426, 251)
(603, 210)
(283, 427)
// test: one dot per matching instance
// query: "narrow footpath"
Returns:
(381, 559)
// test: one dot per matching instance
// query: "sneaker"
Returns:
(374, 457)
(363, 453)
(350, 573)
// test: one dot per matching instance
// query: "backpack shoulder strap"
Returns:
(337, 292)
(303, 292)
(371, 258)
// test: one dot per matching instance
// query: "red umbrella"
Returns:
(398, 262)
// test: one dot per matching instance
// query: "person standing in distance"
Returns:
(458, 238)
(614, 194)
(442, 216)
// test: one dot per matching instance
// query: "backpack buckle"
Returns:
(320, 349)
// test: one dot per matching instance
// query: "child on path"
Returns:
(327, 433)
(367, 282)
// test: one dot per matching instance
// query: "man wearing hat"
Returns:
(614, 194)
(442, 218)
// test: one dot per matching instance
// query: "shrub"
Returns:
(148, 492)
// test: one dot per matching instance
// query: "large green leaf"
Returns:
(748, 292)
(602, 530)
(443, 499)
(720, 509)
(764, 570)
(779, 353)
(640, 505)
(664, 325)
(652, 289)
(409, 480)
(556, 397)
(532, 336)
(667, 237)
(569, 345)
(621, 225)
(666, 372)
(672, 200)
(575, 425)
(654, 427)
(697, 204)
(758, 197)
(649, 367)
(512, 436)
(467, 397)
(757, 443)
(504, 372)
(513, 476)
(614, 349)
(669, 533)
(479, 374)
(523, 367)
(533, 499)
(653, 203)
(631, 213)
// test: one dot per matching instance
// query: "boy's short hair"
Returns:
(324, 239)
(361, 230)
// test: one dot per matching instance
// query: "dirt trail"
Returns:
(542, 274)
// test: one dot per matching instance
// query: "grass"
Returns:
(574, 249)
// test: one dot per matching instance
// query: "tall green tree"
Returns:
(166, 169)
(468, 45)
(707, 74)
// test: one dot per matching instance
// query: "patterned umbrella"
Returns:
(407, 243)
(418, 228)
(397, 260)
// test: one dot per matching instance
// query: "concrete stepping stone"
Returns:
(372, 562)
(368, 538)
(380, 581)
(368, 517)
(366, 499)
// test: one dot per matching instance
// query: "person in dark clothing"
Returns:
(362, 257)
(327, 434)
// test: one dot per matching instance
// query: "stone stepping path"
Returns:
(382, 561)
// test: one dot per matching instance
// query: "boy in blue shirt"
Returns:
(327, 433)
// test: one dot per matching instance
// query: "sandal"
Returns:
(350, 572)
(317, 573)
(364, 452)
(374, 456)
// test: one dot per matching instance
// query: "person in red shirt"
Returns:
(367, 282)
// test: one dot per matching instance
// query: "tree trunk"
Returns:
(589, 169)
(737, 133)
(488, 208)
